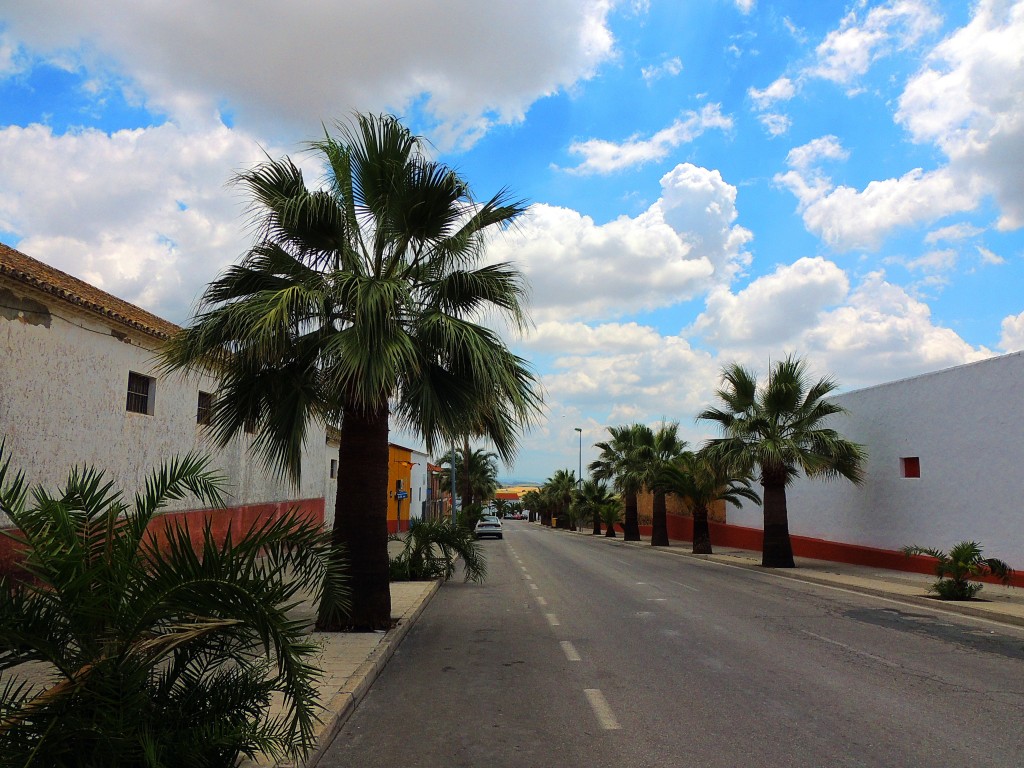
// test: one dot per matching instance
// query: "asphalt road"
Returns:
(581, 652)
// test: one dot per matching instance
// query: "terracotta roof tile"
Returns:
(42, 277)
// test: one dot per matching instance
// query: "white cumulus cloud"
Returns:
(969, 101)
(848, 52)
(668, 68)
(673, 251)
(601, 156)
(281, 70)
(144, 214)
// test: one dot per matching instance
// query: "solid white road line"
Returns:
(552, 619)
(570, 651)
(684, 586)
(604, 713)
(851, 649)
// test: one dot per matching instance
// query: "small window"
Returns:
(140, 394)
(334, 469)
(910, 466)
(204, 408)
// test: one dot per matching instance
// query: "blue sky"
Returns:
(715, 181)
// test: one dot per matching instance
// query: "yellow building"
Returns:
(400, 466)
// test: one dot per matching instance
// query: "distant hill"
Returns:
(508, 482)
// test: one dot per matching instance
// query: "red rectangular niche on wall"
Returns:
(910, 466)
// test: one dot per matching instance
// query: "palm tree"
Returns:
(620, 462)
(611, 514)
(431, 549)
(702, 480)
(157, 654)
(593, 496)
(958, 567)
(361, 300)
(657, 449)
(561, 486)
(532, 502)
(476, 473)
(778, 428)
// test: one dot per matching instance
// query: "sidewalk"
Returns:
(995, 603)
(352, 661)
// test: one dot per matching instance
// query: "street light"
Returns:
(580, 430)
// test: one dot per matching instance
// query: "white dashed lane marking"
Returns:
(604, 713)
(552, 619)
(570, 651)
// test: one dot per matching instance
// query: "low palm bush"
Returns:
(155, 654)
(611, 515)
(959, 566)
(431, 550)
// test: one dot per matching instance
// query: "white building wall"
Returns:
(965, 426)
(63, 387)
(418, 485)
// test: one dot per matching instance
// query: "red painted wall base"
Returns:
(238, 520)
(739, 537)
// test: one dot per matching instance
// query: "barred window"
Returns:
(140, 393)
(204, 408)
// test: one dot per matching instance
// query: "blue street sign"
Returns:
(401, 494)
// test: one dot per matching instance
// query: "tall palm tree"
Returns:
(360, 300)
(592, 497)
(702, 480)
(476, 472)
(655, 450)
(778, 428)
(621, 463)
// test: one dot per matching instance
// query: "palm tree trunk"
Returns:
(597, 522)
(701, 531)
(631, 526)
(659, 521)
(777, 549)
(361, 523)
(610, 533)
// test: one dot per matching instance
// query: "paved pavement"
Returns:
(352, 661)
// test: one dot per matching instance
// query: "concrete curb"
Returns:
(800, 574)
(343, 704)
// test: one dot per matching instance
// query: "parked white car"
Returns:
(488, 525)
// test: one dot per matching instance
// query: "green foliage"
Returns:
(593, 497)
(155, 656)
(611, 515)
(431, 550)
(959, 566)
(469, 516)
(777, 427)
(481, 477)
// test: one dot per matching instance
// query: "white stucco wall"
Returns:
(63, 386)
(965, 425)
(418, 484)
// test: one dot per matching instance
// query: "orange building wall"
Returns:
(399, 468)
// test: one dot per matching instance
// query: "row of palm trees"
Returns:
(771, 432)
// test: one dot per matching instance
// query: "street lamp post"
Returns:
(580, 480)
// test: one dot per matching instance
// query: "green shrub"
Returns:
(959, 566)
(431, 550)
(156, 655)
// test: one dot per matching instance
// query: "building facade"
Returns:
(945, 452)
(79, 385)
